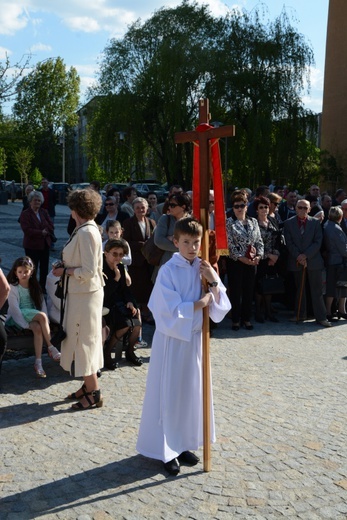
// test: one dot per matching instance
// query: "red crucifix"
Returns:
(206, 136)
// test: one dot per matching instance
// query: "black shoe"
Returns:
(111, 365)
(342, 315)
(132, 358)
(172, 467)
(235, 326)
(332, 318)
(188, 458)
(248, 326)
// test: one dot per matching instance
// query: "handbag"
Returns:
(152, 253)
(60, 334)
(123, 310)
(59, 292)
(341, 275)
(271, 284)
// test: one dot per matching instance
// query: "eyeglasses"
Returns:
(115, 255)
(263, 207)
(303, 207)
(211, 201)
(239, 206)
(109, 204)
(172, 205)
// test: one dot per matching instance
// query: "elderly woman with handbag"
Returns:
(82, 259)
(137, 230)
(246, 249)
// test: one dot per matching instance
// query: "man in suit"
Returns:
(304, 236)
(49, 199)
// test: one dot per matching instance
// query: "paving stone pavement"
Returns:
(279, 394)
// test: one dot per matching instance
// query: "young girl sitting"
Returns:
(27, 309)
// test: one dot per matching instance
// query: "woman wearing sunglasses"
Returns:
(271, 236)
(179, 205)
(246, 248)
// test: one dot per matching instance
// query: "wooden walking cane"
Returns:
(201, 190)
(302, 287)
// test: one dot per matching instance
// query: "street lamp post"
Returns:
(62, 142)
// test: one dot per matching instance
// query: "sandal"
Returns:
(39, 370)
(74, 395)
(98, 401)
(54, 353)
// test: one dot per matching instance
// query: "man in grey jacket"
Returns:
(304, 236)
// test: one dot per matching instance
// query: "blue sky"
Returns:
(78, 30)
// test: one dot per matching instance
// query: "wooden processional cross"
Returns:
(202, 137)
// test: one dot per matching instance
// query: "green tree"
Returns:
(95, 172)
(159, 69)
(260, 72)
(23, 158)
(10, 75)
(36, 177)
(3, 163)
(252, 71)
(46, 104)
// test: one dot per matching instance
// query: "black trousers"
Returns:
(3, 342)
(241, 280)
(40, 257)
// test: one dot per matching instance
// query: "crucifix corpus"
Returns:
(207, 161)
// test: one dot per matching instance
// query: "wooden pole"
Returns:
(205, 183)
(203, 139)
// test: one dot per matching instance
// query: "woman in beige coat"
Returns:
(82, 258)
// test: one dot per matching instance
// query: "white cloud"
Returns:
(12, 18)
(317, 78)
(38, 47)
(82, 23)
(4, 53)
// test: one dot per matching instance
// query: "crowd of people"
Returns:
(298, 243)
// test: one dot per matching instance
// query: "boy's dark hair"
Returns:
(35, 290)
(118, 243)
(188, 226)
(112, 223)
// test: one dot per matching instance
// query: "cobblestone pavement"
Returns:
(280, 407)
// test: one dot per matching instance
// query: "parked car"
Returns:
(79, 185)
(61, 191)
(144, 188)
(19, 189)
(117, 185)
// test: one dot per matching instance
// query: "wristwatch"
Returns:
(212, 284)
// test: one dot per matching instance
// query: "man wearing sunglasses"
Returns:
(304, 236)
(111, 211)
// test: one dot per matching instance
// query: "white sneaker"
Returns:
(141, 344)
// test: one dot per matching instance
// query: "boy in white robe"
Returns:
(172, 415)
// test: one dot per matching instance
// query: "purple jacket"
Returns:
(33, 226)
